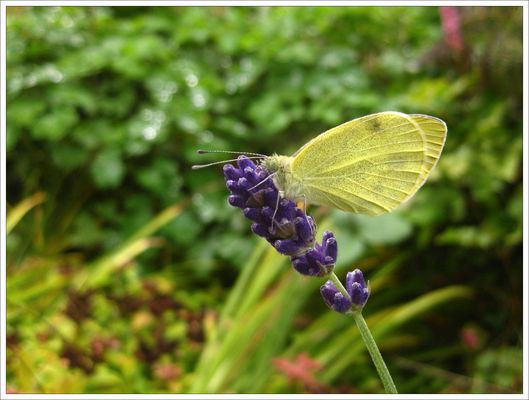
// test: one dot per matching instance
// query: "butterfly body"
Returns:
(369, 165)
(286, 182)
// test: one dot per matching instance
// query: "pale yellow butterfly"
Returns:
(369, 165)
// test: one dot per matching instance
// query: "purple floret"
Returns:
(334, 299)
(320, 260)
(355, 285)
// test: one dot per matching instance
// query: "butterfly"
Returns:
(369, 165)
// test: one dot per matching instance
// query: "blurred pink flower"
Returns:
(451, 22)
(301, 369)
(470, 338)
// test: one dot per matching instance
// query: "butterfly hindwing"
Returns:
(434, 131)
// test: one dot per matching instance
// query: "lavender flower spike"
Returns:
(293, 232)
(356, 288)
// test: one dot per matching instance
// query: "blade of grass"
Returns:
(234, 298)
(237, 293)
(345, 350)
(237, 342)
(256, 371)
(272, 265)
(97, 273)
(254, 281)
(21, 209)
(163, 218)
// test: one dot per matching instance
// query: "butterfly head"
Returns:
(281, 168)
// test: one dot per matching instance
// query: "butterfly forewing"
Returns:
(371, 164)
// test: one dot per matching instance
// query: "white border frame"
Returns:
(4, 4)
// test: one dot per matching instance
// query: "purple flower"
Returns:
(320, 260)
(334, 299)
(292, 232)
(356, 288)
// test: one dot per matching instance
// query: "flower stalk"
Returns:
(374, 352)
(293, 233)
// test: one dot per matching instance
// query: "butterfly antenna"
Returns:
(229, 152)
(200, 166)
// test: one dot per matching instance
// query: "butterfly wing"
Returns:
(434, 131)
(371, 164)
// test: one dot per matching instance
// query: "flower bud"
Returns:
(355, 285)
(334, 299)
(356, 288)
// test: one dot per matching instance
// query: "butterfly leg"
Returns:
(304, 203)
(305, 209)
(263, 181)
(279, 196)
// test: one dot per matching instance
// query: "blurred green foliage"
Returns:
(106, 107)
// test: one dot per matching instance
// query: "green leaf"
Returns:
(108, 168)
(55, 124)
(384, 229)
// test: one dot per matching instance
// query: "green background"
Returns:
(130, 273)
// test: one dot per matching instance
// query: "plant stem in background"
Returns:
(371, 345)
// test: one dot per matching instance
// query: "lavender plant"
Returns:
(293, 233)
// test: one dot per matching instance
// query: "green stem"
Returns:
(380, 365)
(368, 339)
